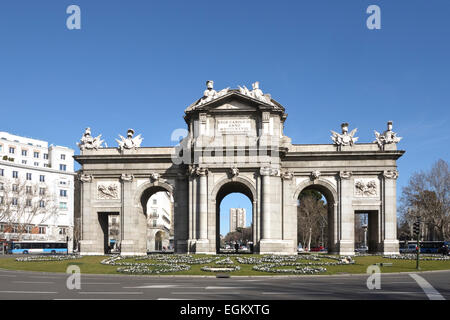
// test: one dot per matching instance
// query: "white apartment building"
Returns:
(34, 175)
(159, 221)
(237, 218)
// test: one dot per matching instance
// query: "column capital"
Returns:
(345, 175)
(126, 177)
(390, 174)
(287, 175)
(201, 171)
(268, 171)
(85, 178)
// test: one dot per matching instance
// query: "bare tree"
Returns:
(24, 206)
(427, 196)
(311, 215)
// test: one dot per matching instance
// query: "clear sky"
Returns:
(139, 64)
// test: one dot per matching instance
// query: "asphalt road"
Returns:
(38, 285)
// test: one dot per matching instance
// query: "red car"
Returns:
(317, 249)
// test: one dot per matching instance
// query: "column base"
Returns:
(391, 247)
(346, 248)
(131, 248)
(202, 246)
(279, 247)
(91, 248)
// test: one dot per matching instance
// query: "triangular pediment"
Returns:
(234, 100)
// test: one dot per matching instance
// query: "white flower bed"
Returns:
(143, 268)
(223, 269)
(269, 267)
(227, 260)
(47, 258)
(178, 258)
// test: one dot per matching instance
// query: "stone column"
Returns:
(91, 234)
(347, 215)
(390, 242)
(265, 212)
(132, 230)
(202, 244)
(203, 204)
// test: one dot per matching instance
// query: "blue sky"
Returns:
(140, 63)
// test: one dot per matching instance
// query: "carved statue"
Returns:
(129, 142)
(315, 175)
(108, 191)
(234, 171)
(367, 189)
(88, 142)
(387, 136)
(345, 138)
(256, 93)
(210, 94)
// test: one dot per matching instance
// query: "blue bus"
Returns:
(425, 246)
(37, 247)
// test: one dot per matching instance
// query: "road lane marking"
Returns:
(205, 293)
(40, 282)
(31, 292)
(431, 292)
(220, 288)
(87, 292)
(99, 283)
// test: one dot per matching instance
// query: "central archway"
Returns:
(227, 187)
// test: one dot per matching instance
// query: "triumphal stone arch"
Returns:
(235, 142)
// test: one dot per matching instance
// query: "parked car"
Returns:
(317, 249)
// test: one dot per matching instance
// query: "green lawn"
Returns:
(91, 264)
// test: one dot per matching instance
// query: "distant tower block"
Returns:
(237, 218)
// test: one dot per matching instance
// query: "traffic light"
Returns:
(416, 228)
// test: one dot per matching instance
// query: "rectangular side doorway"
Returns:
(110, 224)
(367, 232)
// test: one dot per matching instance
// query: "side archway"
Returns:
(330, 193)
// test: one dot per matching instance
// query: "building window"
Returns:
(15, 187)
(2, 186)
(46, 165)
(29, 190)
(28, 203)
(62, 231)
(24, 161)
(2, 200)
(46, 156)
(2, 172)
(28, 176)
(63, 193)
(62, 167)
(36, 154)
(28, 229)
(63, 157)
(24, 153)
(63, 205)
(42, 204)
(15, 174)
(42, 191)
(12, 150)
(14, 201)
(36, 164)
(155, 201)
(154, 223)
(42, 178)
(42, 230)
